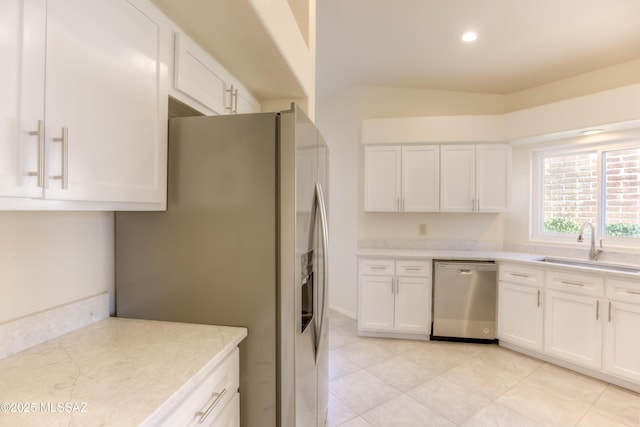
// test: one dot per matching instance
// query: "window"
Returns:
(600, 185)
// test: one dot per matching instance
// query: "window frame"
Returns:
(537, 232)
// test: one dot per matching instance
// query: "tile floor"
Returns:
(384, 382)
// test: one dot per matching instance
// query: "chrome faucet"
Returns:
(593, 252)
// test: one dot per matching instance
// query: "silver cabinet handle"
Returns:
(413, 268)
(218, 396)
(378, 267)
(632, 292)
(520, 275)
(538, 297)
(398, 204)
(39, 173)
(609, 311)
(478, 205)
(233, 100)
(64, 176)
(597, 309)
(393, 284)
(567, 282)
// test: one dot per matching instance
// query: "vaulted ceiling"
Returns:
(521, 43)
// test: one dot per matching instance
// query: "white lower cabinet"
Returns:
(622, 346)
(573, 317)
(215, 402)
(377, 303)
(520, 316)
(574, 328)
(412, 306)
(394, 298)
(589, 320)
(520, 308)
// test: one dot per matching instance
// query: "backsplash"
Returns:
(470, 245)
(29, 331)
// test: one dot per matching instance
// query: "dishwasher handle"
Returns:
(466, 267)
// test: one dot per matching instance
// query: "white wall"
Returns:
(53, 258)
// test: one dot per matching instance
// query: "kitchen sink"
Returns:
(591, 264)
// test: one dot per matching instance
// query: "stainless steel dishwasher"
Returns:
(464, 301)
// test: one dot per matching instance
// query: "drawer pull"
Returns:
(378, 267)
(567, 282)
(413, 268)
(520, 275)
(632, 292)
(218, 397)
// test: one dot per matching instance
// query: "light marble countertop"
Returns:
(115, 372)
(533, 260)
(480, 255)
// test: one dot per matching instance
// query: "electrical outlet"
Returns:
(422, 229)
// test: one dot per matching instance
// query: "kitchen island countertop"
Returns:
(115, 372)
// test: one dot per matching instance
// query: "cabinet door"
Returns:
(520, 315)
(246, 104)
(457, 178)
(376, 303)
(413, 304)
(622, 350)
(196, 75)
(573, 328)
(382, 180)
(420, 178)
(22, 49)
(230, 415)
(492, 177)
(106, 86)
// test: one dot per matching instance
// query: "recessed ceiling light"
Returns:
(591, 131)
(469, 37)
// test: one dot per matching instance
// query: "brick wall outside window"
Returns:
(571, 189)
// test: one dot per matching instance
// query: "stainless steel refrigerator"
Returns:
(243, 243)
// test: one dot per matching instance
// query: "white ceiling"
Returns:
(521, 43)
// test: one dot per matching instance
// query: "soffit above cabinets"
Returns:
(262, 46)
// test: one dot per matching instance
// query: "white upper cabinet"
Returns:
(457, 180)
(22, 47)
(102, 107)
(474, 178)
(104, 87)
(382, 182)
(202, 83)
(493, 177)
(420, 178)
(401, 178)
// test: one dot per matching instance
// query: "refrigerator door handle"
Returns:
(319, 204)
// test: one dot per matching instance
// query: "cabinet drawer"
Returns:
(581, 284)
(413, 268)
(211, 397)
(384, 267)
(521, 275)
(623, 290)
